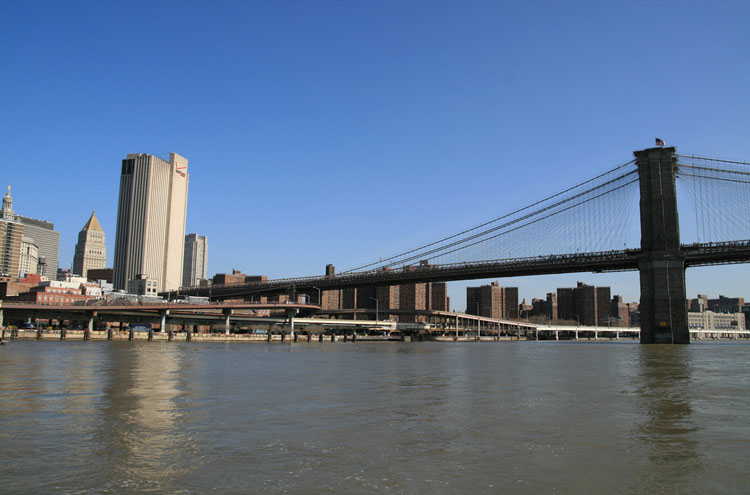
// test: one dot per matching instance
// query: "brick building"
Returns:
(619, 312)
(412, 297)
(585, 304)
(236, 277)
(492, 301)
(56, 293)
(726, 304)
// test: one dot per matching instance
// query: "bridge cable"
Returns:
(488, 222)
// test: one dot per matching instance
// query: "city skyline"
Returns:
(470, 109)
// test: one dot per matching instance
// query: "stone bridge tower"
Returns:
(663, 303)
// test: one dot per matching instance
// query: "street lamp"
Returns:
(320, 301)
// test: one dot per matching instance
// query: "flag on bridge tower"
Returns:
(659, 142)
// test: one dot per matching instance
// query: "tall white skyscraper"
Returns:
(196, 258)
(151, 214)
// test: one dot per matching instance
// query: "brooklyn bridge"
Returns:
(589, 227)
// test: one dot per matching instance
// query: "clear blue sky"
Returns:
(340, 132)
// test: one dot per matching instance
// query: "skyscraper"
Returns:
(151, 213)
(38, 232)
(47, 240)
(194, 266)
(29, 260)
(11, 234)
(91, 251)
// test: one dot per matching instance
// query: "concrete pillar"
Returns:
(663, 304)
(150, 334)
(2, 318)
(163, 323)
(227, 313)
(290, 317)
(91, 321)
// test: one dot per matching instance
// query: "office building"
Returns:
(99, 274)
(91, 250)
(39, 232)
(29, 260)
(709, 320)
(194, 265)
(152, 208)
(11, 237)
(47, 240)
(142, 285)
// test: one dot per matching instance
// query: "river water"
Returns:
(507, 417)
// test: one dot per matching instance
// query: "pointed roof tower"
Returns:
(93, 223)
(8, 206)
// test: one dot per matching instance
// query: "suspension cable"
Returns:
(420, 248)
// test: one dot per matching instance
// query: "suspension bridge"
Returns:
(623, 219)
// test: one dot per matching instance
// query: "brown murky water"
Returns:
(509, 417)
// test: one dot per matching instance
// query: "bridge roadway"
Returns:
(699, 254)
